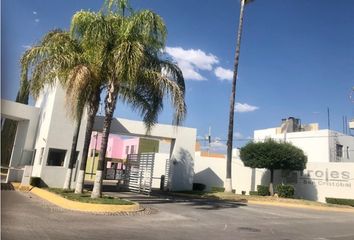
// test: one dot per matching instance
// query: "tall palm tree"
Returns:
(135, 63)
(228, 182)
(60, 57)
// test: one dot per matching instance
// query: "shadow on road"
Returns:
(166, 198)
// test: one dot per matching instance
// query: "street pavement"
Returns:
(25, 216)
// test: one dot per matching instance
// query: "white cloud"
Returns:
(218, 146)
(26, 46)
(244, 107)
(238, 135)
(223, 74)
(36, 20)
(191, 61)
(34, 12)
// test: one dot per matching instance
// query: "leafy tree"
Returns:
(273, 155)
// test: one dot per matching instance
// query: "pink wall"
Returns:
(116, 146)
(130, 142)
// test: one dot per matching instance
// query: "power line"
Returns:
(278, 137)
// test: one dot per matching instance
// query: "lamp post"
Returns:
(228, 182)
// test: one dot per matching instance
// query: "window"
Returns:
(127, 150)
(339, 150)
(132, 149)
(56, 157)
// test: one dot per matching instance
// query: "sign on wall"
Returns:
(321, 180)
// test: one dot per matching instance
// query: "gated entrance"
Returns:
(139, 170)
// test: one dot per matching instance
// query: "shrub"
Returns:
(254, 193)
(217, 189)
(285, 191)
(263, 190)
(340, 201)
(198, 187)
(243, 192)
(35, 181)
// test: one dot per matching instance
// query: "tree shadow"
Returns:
(159, 197)
(182, 170)
(209, 178)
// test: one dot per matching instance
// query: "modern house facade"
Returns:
(44, 136)
(329, 171)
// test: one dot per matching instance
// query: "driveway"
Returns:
(24, 216)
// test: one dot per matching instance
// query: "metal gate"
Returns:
(139, 169)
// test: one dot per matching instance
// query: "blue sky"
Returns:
(297, 57)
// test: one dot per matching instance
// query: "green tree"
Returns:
(228, 182)
(135, 41)
(273, 155)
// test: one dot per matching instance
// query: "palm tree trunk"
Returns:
(73, 155)
(271, 188)
(93, 108)
(228, 182)
(110, 104)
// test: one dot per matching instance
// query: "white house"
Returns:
(320, 145)
(329, 171)
(44, 136)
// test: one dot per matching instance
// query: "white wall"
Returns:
(318, 146)
(27, 122)
(212, 172)
(159, 168)
(182, 146)
(321, 180)
(55, 131)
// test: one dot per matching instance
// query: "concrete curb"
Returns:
(277, 204)
(79, 206)
(294, 205)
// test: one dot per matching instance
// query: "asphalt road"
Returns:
(24, 216)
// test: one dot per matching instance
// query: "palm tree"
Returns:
(60, 57)
(228, 182)
(137, 68)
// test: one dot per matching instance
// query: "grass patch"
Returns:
(86, 197)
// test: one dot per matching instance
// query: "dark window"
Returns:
(127, 150)
(132, 149)
(339, 150)
(56, 157)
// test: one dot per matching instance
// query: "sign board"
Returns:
(321, 180)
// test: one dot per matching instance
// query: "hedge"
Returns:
(198, 187)
(263, 190)
(35, 181)
(285, 191)
(217, 189)
(340, 201)
(254, 193)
